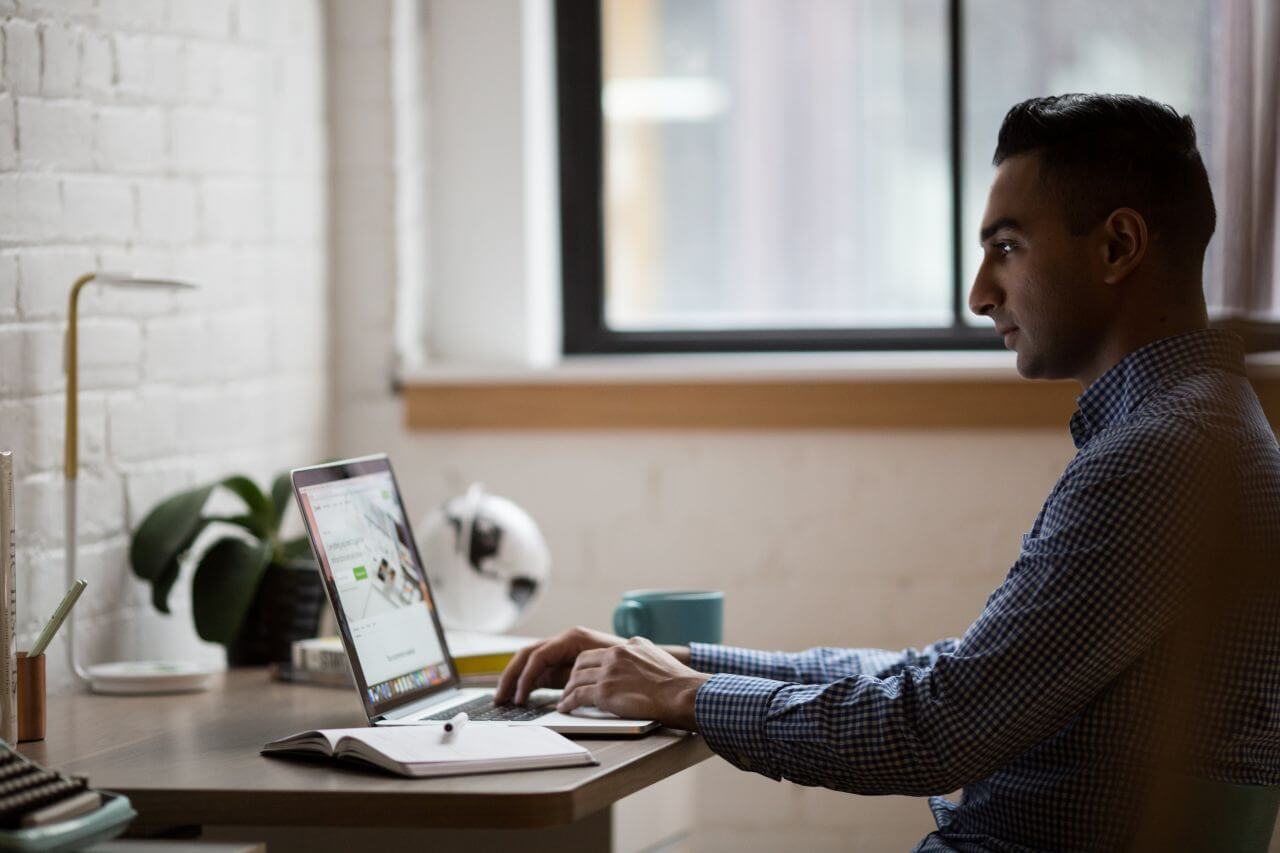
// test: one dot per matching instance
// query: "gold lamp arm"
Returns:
(72, 462)
(72, 450)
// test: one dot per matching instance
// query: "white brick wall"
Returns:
(168, 137)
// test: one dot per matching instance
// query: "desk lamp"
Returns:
(138, 677)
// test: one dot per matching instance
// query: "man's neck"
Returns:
(1126, 340)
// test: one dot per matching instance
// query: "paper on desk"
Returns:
(430, 744)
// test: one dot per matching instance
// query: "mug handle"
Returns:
(630, 619)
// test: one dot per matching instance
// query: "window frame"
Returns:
(579, 78)
(580, 121)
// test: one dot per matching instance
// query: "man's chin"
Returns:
(1030, 367)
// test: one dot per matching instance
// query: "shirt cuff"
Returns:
(702, 657)
(713, 658)
(730, 711)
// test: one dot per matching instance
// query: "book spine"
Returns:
(336, 662)
(8, 604)
(319, 656)
(483, 664)
(302, 676)
(324, 660)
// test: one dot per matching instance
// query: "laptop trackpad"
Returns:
(591, 712)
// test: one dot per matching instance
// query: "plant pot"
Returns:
(287, 607)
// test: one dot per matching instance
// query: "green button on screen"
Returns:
(360, 572)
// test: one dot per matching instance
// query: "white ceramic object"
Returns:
(151, 676)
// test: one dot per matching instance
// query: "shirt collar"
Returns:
(1119, 391)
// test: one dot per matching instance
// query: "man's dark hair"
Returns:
(1103, 152)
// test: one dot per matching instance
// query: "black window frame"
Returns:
(579, 80)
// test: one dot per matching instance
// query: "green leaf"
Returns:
(162, 537)
(281, 496)
(225, 583)
(160, 586)
(247, 522)
(259, 505)
(297, 549)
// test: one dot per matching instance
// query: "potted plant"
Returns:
(253, 591)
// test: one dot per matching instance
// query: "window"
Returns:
(1158, 48)
(782, 175)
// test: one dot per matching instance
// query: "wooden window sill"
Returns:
(773, 392)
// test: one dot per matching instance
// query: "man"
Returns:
(1137, 637)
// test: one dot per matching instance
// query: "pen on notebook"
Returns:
(55, 621)
(456, 724)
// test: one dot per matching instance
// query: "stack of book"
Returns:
(479, 658)
(322, 660)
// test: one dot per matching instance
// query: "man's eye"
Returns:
(1003, 247)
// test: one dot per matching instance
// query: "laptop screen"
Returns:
(375, 578)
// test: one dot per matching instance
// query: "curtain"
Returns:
(1247, 125)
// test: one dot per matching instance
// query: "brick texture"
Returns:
(166, 138)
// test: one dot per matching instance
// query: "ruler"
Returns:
(8, 604)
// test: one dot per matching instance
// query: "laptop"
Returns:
(387, 617)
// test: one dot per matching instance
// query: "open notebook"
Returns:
(430, 751)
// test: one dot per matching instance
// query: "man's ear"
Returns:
(1124, 245)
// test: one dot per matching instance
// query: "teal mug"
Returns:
(671, 616)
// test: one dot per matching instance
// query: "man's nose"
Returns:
(985, 295)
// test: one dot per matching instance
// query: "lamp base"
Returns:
(139, 678)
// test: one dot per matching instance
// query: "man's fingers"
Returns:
(590, 658)
(507, 683)
(590, 675)
(546, 656)
(555, 676)
(577, 698)
(533, 668)
(548, 663)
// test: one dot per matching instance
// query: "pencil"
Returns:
(55, 621)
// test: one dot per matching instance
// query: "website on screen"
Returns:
(364, 546)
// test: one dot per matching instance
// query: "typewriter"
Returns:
(45, 810)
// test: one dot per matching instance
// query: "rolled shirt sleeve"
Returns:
(813, 666)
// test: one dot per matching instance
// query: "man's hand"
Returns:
(637, 680)
(548, 663)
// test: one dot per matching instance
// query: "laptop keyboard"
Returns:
(482, 709)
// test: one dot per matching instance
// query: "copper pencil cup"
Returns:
(30, 697)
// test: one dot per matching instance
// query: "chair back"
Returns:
(1231, 818)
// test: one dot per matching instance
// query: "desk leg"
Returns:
(591, 834)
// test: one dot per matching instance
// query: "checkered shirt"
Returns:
(1045, 712)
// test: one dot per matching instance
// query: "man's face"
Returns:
(1039, 282)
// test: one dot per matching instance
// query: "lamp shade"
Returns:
(123, 279)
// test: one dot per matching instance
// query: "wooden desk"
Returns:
(192, 760)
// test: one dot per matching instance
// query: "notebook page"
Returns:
(431, 745)
(331, 736)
